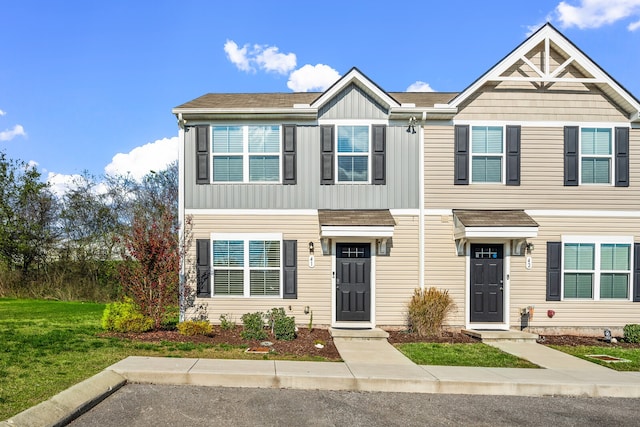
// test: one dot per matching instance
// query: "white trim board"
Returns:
(554, 212)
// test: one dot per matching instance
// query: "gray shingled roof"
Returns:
(494, 218)
(341, 217)
(287, 100)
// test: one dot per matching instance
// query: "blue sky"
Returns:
(87, 85)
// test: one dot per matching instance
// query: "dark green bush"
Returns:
(428, 309)
(195, 327)
(282, 326)
(226, 322)
(632, 333)
(253, 326)
(125, 317)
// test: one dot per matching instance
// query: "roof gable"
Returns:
(548, 58)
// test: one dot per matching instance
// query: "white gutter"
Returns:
(181, 215)
(421, 225)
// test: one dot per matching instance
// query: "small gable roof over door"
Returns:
(546, 58)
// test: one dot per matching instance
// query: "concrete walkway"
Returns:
(369, 365)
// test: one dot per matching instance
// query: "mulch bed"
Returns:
(304, 344)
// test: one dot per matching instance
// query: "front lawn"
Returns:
(581, 351)
(424, 353)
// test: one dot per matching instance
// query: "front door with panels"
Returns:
(487, 283)
(353, 282)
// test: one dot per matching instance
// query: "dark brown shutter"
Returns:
(378, 153)
(203, 267)
(290, 269)
(571, 155)
(289, 155)
(202, 155)
(327, 142)
(622, 157)
(461, 161)
(513, 155)
(636, 272)
(554, 270)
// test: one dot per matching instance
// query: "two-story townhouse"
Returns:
(518, 192)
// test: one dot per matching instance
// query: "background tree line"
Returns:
(73, 246)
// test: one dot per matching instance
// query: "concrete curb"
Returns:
(70, 403)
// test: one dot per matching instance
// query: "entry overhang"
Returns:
(339, 223)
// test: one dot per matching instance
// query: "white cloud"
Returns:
(9, 134)
(270, 59)
(139, 161)
(3, 113)
(312, 77)
(238, 56)
(61, 183)
(263, 57)
(419, 86)
(596, 13)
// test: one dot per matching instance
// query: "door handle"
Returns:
(501, 288)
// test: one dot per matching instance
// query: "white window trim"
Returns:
(611, 158)
(342, 123)
(598, 241)
(502, 155)
(246, 237)
(245, 154)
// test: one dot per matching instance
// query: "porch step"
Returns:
(359, 334)
(501, 336)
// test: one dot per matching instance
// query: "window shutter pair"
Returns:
(572, 156)
(203, 155)
(378, 154)
(289, 268)
(462, 151)
(554, 271)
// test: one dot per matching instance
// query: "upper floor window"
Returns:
(597, 268)
(596, 155)
(353, 154)
(246, 153)
(487, 154)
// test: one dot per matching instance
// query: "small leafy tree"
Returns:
(149, 274)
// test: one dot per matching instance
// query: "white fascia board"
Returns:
(187, 113)
(496, 232)
(355, 231)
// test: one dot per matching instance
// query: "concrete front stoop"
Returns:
(359, 334)
(488, 336)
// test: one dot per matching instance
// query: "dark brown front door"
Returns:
(353, 282)
(487, 283)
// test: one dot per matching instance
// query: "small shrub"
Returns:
(195, 327)
(253, 326)
(428, 309)
(283, 327)
(226, 322)
(171, 319)
(632, 333)
(125, 317)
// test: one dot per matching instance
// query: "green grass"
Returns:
(631, 354)
(48, 346)
(461, 355)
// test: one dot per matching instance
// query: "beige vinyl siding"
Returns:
(444, 269)
(314, 284)
(541, 181)
(398, 275)
(522, 101)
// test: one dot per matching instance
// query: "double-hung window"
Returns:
(246, 153)
(596, 155)
(353, 153)
(487, 154)
(597, 268)
(246, 265)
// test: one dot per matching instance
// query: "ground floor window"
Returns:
(247, 265)
(597, 268)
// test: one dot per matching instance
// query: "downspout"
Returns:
(421, 225)
(181, 216)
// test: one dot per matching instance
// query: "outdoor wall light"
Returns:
(412, 125)
(310, 247)
(529, 247)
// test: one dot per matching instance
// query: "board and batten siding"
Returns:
(541, 180)
(396, 274)
(445, 270)
(562, 102)
(352, 103)
(400, 192)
